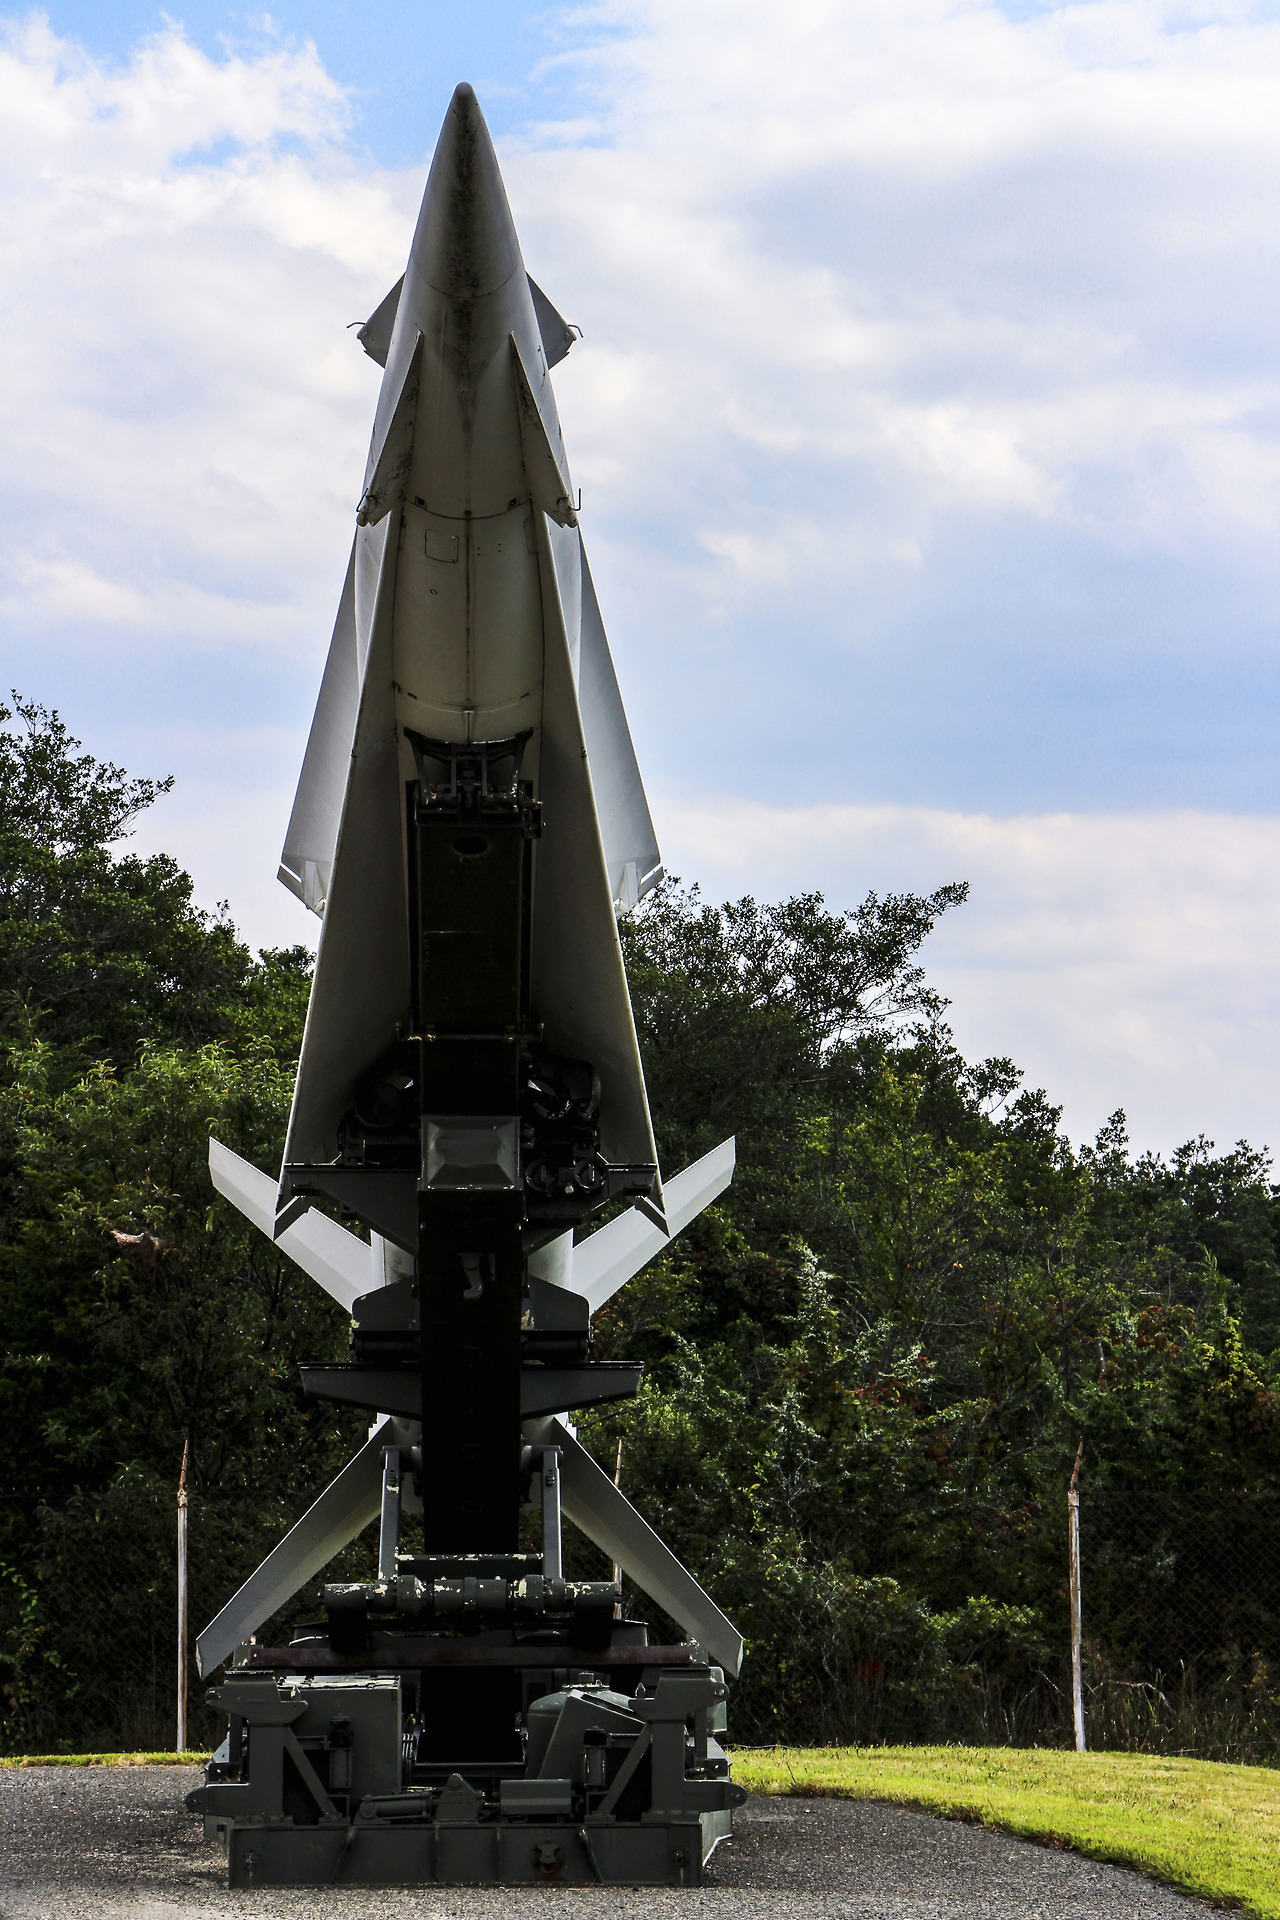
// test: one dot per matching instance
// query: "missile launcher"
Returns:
(469, 824)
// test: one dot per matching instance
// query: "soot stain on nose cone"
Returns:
(466, 237)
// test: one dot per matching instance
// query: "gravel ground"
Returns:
(115, 1841)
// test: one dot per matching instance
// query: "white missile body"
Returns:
(468, 614)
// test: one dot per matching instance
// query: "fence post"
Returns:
(1073, 1549)
(182, 1595)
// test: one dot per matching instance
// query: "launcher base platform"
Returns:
(576, 1766)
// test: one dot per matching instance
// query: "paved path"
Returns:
(110, 1842)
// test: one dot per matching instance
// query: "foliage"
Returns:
(104, 951)
(135, 1308)
(867, 1368)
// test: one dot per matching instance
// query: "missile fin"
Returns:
(375, 335)
(598, 1509)
(386, 488)
(632, 859)
(335, 1259)
(541, 462)
(557, 335)
(626, 825)
(579, 983)
(615, 1253)
(343, 1510)
(306, 863)
(360, 992)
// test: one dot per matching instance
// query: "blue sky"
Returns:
(927, 417)
(398, 62)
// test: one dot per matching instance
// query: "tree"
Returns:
(137, 1308)
(103, 950)
(867, 1368)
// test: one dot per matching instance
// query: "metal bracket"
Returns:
(389, 1534)
(552, 1556)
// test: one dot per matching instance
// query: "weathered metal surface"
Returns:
(313, 1784)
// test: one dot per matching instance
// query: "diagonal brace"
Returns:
(343, 1510)
(590, 1499)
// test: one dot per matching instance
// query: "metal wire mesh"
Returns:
(1181, 1617)
(89, 1610)
(1181, 1613)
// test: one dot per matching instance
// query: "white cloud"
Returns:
(1122, 960)
(180, 428)
(933, 250)
(877, 296)
(225, 820)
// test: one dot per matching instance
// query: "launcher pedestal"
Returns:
(466, 1720)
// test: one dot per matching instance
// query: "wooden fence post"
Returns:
(182, 1596)
(1073, 1549)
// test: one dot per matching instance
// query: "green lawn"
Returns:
(105, 1760)
(1209, 1829)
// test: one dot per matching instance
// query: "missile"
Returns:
(470, 823)
(468, 616)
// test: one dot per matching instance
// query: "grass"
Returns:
(1207, 1828)
(103, 1759)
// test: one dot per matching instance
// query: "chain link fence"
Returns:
(966, 1638)
(89, 1612)
(1180, 1605)
(1181, 1615)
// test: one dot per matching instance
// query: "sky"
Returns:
(926, 415)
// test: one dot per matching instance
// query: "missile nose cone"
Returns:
(465, 244)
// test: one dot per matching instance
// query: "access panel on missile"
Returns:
(469, 824)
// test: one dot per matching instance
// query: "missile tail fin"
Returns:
(616, 1252)
(557, 335)
(386, 488)
(335, 1259)
(375, 335)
